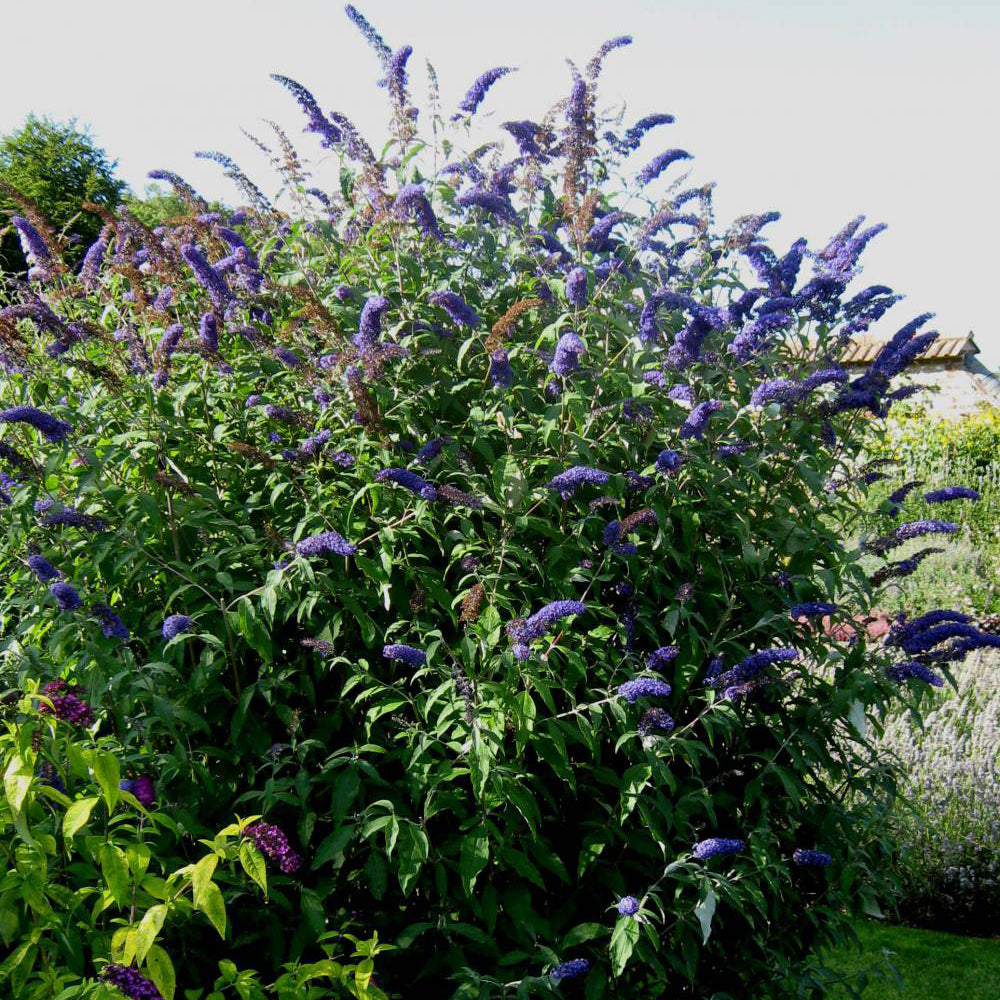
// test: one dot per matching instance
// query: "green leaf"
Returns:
(856, 716)
(623, 941)
(214, 907)
(161, 971)
(474, 856)
(412, 850)
(480, 759)
(201, 878)
(78, 814)
(108, 774)
(17, 781)
(704, 911)
(149, 927)
(114, 868)
(253, 864)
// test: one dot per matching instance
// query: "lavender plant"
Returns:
(465, 550)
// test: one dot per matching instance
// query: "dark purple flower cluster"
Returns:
(569, 481)
(576, 287)
(669, 460)
(912, 529)
(810, 609)
(456, 307)
(318, 122)
(313, 445)
(325, 542)
(567, 355)
(408, 480)
(951, 493)
(174, 625)
(913, 669)
(410, 655)
(643, 687)
(33, 245)
(66, 596)
(747, 669)
(130, 981)
(501, 373)
(66, 703)
(287, 356)
(50, 427)
(370, 322)
(655, 720)
(111, 624)
(804, 856)
(43, 569)
(523, 631)
(142, 788)
(411, 201)
(628, 906)
(706, 849)
(697, 421)
(430, 450)
(210, 279)
(567, 970)
(475, 94)
(662, 656)
(272, 843)
(658, 164)
(343, 458)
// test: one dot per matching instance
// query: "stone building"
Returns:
(957, 383)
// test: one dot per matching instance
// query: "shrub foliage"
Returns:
(447, 557)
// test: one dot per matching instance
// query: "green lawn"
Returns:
(933, 966)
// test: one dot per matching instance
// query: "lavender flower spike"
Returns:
(696, 422)
(128, 980)
(325, 541)
(644, 687)
(658, 164)
(410, 655)
(409, 480)
(174, 625)
(476, 93)
(567, 482)
(951, 493)
(809, 609)
(456, 307)
(31, 241)
(208, 277)
(576, 287)
(706, 849)
(567, 970)
(411, 201)
(804, 856)
(43, 569)
(50, 427)
(370, 323)
(567, 356)
(66, 596)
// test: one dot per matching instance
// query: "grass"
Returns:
(932, 965)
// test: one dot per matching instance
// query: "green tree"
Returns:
(156, 206)
(58, 166)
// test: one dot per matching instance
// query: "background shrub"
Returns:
(467, 528)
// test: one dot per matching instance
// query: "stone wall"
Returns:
(960, 391)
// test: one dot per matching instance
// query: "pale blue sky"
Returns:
(818, 108)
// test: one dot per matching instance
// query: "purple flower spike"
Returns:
(811, 609)
(576, 287)
(475, 94)
(326, 541)
(48, 426)
(66, 596)
(409, 655)
(567, 970)
(128, 980)
(803, 856)
(951, 493)
(567, 482)
(669, 460)
(706, 849)
(567, 356)
(409, 480)
(628, 906)
(174, 625)
(644, 687)
(273, 843)
(456, 307)
(658, 164)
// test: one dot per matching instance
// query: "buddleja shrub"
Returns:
(468, 550)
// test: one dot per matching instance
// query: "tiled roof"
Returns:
(864, 350)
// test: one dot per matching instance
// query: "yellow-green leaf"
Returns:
(149, 927)
(161, 971)
(253, 864)
(78, 814)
